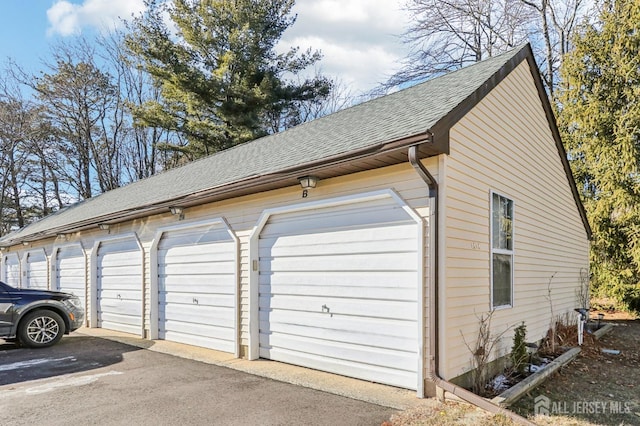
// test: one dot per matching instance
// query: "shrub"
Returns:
(519, 349)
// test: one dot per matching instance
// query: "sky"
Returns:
(359, 39)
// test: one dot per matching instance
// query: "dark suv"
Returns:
(37, 318)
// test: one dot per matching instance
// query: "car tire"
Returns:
(41, 328)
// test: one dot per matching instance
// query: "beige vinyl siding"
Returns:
(505, 144)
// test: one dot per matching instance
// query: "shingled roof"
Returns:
(365, 128)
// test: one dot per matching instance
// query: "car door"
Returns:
(7, 301)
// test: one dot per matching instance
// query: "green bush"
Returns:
(519, 349)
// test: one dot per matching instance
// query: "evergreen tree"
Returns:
(221, 79)
(600, 121)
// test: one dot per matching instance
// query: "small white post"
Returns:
(580, 328)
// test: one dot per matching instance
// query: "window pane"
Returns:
(501, 279)
(495, 209)
(502, 218)
(506, 223)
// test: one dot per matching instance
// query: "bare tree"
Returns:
(13, 165)
(82, 105)
(551, 37)
(141, 149)
(24, 178)
(445, 35)
(302, 111)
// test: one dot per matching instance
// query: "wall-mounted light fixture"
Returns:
(307, 182)
(25, 243)
(104, 226)
(63, 236)
(177, 211)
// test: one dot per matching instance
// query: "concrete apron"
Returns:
(386, 396)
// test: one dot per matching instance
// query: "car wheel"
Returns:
(42, 328)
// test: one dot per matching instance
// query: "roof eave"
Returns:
(388, 153)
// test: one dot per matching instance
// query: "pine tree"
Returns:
(600, 121)
(221, 79)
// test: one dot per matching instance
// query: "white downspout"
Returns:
(432, 352)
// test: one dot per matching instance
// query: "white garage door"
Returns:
(36, 270)
(119, 286)
(338, 291)
(71, 271)
(11, 270)
(196, 287)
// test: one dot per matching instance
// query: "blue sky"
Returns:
(359, 38)
(23, 30)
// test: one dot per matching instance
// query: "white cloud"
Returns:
(67, 18)
(359, 39)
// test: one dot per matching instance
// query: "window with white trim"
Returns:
(501, 251)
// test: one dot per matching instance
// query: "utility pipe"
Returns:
(432, 353)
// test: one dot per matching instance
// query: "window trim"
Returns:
(501, 251)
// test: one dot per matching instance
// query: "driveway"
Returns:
(90, 380)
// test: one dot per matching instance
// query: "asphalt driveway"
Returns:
(88, 380)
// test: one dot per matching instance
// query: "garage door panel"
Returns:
(196, 287)
(120, 309)
(119, 272)
(338, 287)
(202, 268)
(341, 351)
(403, 379)
(341, 306)
(199, 284)
(71, 271)
(222, 250)
(118, 247)
(191, 322)
(120, 254)
(194, 236)
(338, 279)
(199, 340)
(270, 321)
(117, 284)
(194, 329)
(348, 241)
(402, 261)
(132, 295)
(36, 270)
(199, 299)
(360, 292)
(333, 219)
(116, 271)
(12, 270)
(328, 279)
(119, 322)
(402, 341)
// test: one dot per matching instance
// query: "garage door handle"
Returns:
(326, 309)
